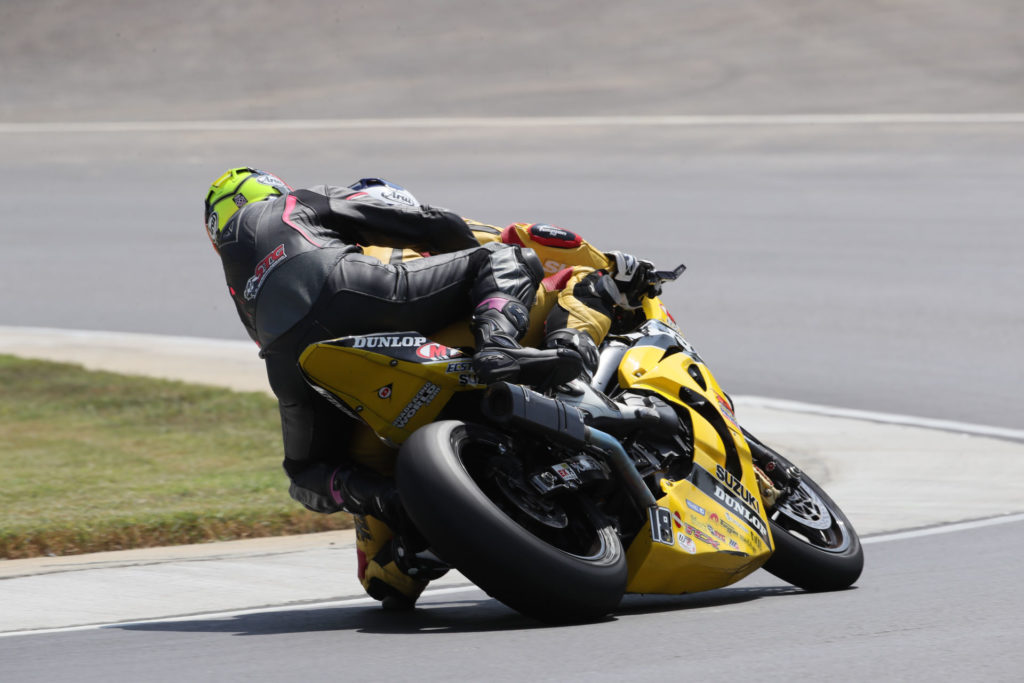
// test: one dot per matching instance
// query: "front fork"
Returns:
(776, 478)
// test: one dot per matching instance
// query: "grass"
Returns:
(93, 461)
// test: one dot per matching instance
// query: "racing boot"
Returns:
(581, 343)
(378, 569)
(498, 324)
(363, 491)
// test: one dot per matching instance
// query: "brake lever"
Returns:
(661, 276)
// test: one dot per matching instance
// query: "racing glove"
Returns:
(634, 279)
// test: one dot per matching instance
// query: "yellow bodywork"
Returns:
(720, 531)
(712, 545)
(394, 397)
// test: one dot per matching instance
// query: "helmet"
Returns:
(233, 190)
(383, 191)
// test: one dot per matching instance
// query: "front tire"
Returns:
(816, 547)
(554, 560)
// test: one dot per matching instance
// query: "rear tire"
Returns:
(502, 535)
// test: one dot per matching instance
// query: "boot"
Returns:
(498, 324)
(379, 571)
(366, 492)
(581, 343)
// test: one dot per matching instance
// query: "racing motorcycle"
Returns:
(557, 503)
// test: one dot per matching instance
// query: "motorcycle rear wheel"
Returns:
(816, 547)
(478, 515)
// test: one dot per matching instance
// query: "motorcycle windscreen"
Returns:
(395, 382)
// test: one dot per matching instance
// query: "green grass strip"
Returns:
(93, 461)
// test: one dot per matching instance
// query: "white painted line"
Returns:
(944, 529)
(206, 616)
(350, 602)
(695, 121)
(887, 418)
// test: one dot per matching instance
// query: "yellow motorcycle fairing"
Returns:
(396, 382)
(711, 528)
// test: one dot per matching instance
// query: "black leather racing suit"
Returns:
(297, 276)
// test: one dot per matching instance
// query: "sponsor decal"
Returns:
(273, 181)
(696, 508)
(733, 544)
(552, 266)
(729, 528)
(435, 351)
(722, 523)
(562, 470)
(551, 236)
(752, 520)
(737, 507)
(678, 520)
(384, 392)
(462, 366)
(701, 536)
(397, 197)
(734, 484)
(423, 397)
(726, 410)
(715, 532)
(661, 526)
(263, 268)
(686, 543)
(395, 341)
(211, 226)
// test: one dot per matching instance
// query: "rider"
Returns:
(296, 269)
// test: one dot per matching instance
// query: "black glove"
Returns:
(635, 279)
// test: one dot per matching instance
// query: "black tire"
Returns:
(493, 545)
(816, 547)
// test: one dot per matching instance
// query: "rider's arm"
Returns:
(559, 249)
(367, 222)
(482, 233)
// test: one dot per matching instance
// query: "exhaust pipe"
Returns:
(513, 405)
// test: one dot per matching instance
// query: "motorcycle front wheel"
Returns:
(816, 547)
(554, 559)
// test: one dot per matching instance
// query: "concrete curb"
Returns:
(216, 362)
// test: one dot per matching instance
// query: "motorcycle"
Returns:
(558, 503)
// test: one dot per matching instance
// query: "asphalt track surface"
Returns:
(911, 616)
(868, 262)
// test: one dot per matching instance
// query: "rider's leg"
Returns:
(379, 571)
(581, 314)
